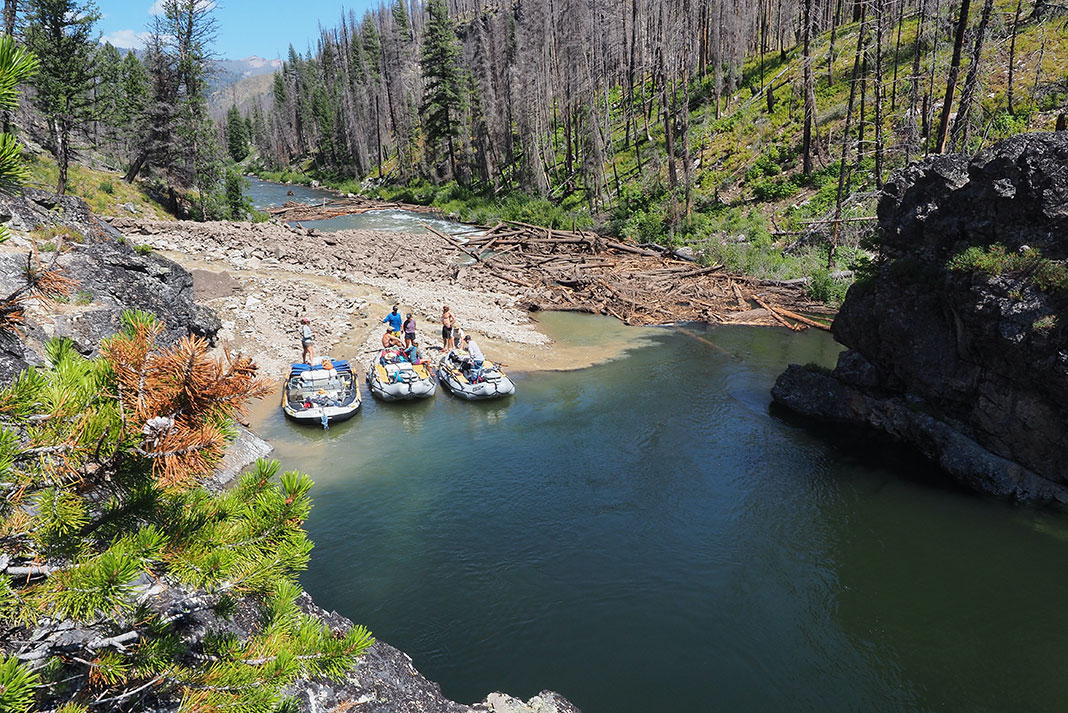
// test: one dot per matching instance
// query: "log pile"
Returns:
(295, 211)
(586, 272)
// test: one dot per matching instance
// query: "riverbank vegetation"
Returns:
(665, 123)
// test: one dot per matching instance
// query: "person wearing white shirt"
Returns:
(476, 354)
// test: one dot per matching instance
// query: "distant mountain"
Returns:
(230, 71)
(240, 81)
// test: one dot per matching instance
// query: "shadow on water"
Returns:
(646, 535)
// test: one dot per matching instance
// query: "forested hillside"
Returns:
(715, 122)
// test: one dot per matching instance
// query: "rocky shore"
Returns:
(261, 278)
(958, 344)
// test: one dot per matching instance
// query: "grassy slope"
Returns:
(749, 201)
(104, 191)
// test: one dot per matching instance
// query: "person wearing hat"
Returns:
(306, 340)
(390, 341)
(394, 320)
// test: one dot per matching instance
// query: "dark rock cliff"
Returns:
(964, 359)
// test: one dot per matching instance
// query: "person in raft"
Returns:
(477, 358)
(409, 330)
(448, 321)
(390, 341)
(306, 340)
(394, 320)
(412, 352)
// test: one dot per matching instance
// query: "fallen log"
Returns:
(805, 320)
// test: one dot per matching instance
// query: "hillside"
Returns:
(244, 91)
(701, 156)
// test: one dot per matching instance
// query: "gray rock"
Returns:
(110, 272)
(243, 452)
(954, 362)
(385, 681)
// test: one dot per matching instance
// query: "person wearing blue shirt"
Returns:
(394, 320)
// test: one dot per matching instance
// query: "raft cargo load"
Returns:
(457, 374)
(321, 393)
(393, 378)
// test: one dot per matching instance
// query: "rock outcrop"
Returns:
(111, 277)
(385, 681)
(963, 355)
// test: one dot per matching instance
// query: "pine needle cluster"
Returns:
(123, 583)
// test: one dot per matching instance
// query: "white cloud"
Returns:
(126, 39)
(157, 7)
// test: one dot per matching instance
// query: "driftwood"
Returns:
(581, 271)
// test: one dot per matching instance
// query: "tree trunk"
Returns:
(1012, 57)
(135, 167)
(810, 95)
(897, 52)
(877, 104)
(10, 13)
(951, 80)
(971, 81)
(62, 131)
(845, 140)
(914, 96)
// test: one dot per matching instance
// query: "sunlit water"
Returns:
(265, 194)
(647, 535)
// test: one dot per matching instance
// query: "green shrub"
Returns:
(142, 249)
(107, 187)
(1045, 324)
(824, 288)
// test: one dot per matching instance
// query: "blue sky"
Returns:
(246, 27)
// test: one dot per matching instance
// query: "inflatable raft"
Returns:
(457, 374)
(321, 393)
(393, 378)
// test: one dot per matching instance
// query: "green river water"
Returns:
(648, 535)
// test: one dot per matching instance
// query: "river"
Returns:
(648, 534)
(266, 193)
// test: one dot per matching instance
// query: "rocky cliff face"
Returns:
(111, 277)
(958, 343)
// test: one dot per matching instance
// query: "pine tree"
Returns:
(60, 33)
(109, 120)
(133, 100)
(125, 571)
(443, 96)
(236, 135)
(16, 66)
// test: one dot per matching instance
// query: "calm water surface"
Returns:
(645, 535)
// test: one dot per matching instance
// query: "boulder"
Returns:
(967, 364)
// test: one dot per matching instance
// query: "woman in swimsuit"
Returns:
(448, 321)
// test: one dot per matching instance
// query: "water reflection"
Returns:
(646, 535)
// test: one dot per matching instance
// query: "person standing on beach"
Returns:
(394, 320)
(409, 330)
(448, 321)
(306, 340)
